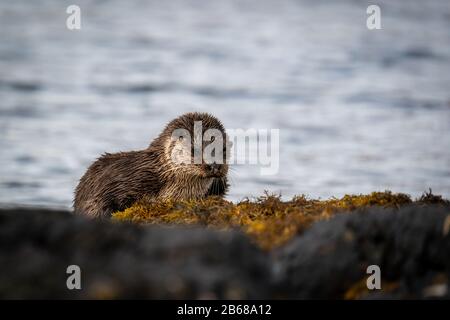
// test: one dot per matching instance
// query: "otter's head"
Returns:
(195, 144)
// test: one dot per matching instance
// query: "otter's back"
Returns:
(114, 182)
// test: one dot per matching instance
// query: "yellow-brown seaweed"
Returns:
(267, 220)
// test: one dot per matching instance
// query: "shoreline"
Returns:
(327, 259)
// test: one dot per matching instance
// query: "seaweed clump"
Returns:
(269, 221)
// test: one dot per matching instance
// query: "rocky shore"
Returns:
(327, 259)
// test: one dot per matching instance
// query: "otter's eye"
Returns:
(180, 138)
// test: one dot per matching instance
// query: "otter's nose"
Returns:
(214, 168)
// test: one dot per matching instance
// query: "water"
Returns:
(358, 110)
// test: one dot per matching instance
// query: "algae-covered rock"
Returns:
(411, 246)
(196, 249)
(269, 221)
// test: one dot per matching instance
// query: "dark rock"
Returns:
(329, 260)
(411, 246)
(119, 260)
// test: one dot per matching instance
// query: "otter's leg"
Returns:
(91, 208)
(219, 187)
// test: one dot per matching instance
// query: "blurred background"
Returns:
(358, 110)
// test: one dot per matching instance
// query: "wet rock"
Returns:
(328, 260)
(120, 260)
(411, 246)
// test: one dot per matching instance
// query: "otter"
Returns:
(165, 170)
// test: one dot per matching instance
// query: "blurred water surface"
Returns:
(358, 110)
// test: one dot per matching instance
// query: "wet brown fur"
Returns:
(115, 181)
